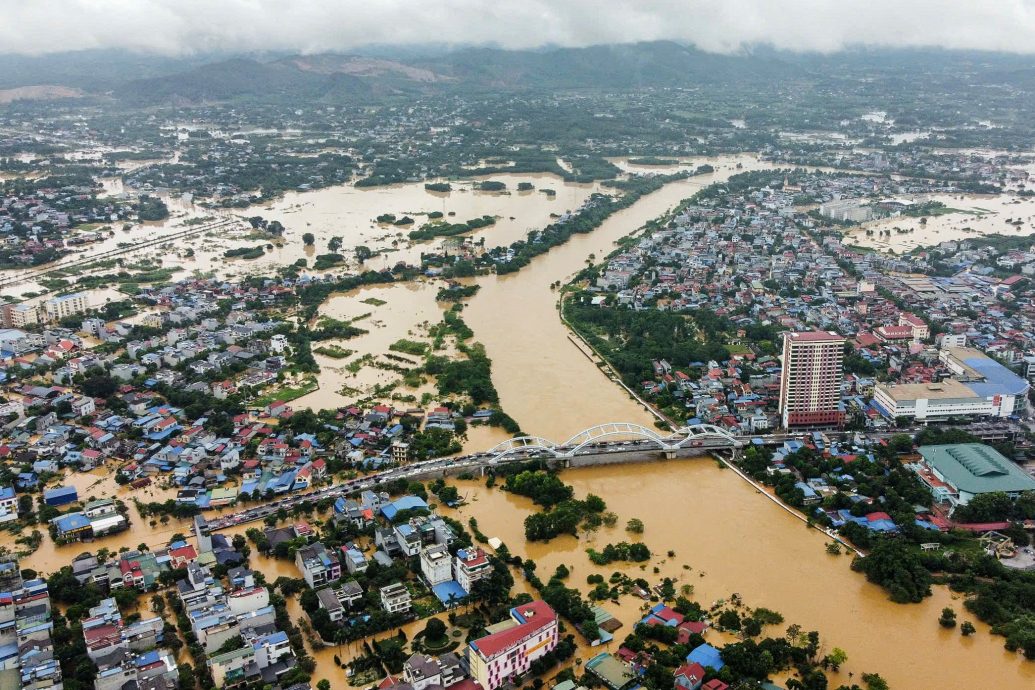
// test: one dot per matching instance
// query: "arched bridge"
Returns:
(608, 434)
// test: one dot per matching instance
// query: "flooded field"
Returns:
(974, 216)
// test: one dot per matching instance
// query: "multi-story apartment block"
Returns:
(498, 658)
(810, 382)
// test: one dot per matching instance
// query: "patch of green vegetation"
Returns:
(325, 261)
(245, 252)
(440, 229)
(286, 393)
(457, 293)
(333, 351)
(410, 347)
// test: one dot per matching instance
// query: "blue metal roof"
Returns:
(998, 379)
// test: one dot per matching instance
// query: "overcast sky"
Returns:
(177, 27)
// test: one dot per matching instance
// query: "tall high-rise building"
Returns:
(810, 385)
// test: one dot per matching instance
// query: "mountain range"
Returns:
(344, 77)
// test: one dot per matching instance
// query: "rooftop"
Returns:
(949, 389)
(530, 617)
(815, 337)
(976, 468)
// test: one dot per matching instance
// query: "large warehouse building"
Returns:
(957, 472)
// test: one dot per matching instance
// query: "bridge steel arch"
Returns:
(601, 431)
(571, 447)
(523, 443)
(696, 431)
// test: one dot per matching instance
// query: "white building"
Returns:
(21, 315)
(67, 305)
(278, 343)
(435, 564)
(930, 401)
(395, 598)
(953, 340)
(8, 504)
(498, 658)
(471, 566)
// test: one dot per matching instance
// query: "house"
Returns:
(391, 510)
(60, 496)
(317, 565)
(689, 676)
(614, 673)
(355, 561)
(83, 406)
(395, 598)
(72, 527)
(329, 602)
(660, 614)
(349, 594)
(707, 656)
(471, 565)
(8, 504)
(422, 671)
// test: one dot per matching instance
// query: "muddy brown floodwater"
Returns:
(736, 542)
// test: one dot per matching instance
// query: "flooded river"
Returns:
(545, 382)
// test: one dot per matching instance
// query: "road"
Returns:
(477, 462)
(73, 262)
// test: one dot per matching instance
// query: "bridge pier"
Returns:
(669, 453)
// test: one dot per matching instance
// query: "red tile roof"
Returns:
(537, 615)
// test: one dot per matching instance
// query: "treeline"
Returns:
(566, 601)
(456, 293)
(597, 209)
(245, 252)
(151, 208)
(622, 551)
(430, 231)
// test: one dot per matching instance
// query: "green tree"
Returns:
(836, 658)
(308, 239)
(635, 525)
(896, 566)
(434, 630)
(948, 618)
(967, 628)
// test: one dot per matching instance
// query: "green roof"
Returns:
(976, 468)
(613, 672)
(234, 654)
